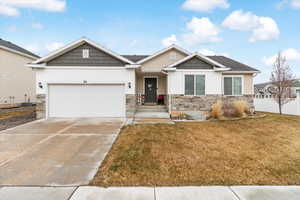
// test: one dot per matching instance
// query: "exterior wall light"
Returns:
(129, 85)
(40, 85)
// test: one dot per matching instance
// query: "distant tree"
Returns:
(282, 80)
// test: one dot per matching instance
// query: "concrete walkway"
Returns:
(151, 193)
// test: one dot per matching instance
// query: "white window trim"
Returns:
(223, 85)
(85, 53)
(195, 95)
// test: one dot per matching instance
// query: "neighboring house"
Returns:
(17, 82)
(262, 90)
(84, 79)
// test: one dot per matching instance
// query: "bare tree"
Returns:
(282, 80)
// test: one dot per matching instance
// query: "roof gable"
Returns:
(195, 63)
(201, 58)
(78, 43)
(164, 51)
(96, 58)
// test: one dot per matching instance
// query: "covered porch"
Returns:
(151, 88)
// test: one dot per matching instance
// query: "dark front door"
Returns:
(150, 90)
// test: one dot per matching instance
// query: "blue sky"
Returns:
(251, 32)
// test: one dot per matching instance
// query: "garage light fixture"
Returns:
(40, 85)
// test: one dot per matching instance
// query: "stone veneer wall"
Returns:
(41, 106)
(204, 103)
(130, 105)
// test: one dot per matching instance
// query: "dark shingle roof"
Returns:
(234, 65)
(135, 58)
(14, 47)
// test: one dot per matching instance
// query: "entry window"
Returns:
(233, 86)
(85, 53)
(195, 85)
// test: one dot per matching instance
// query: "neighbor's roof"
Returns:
(10, 46)
(263, 85)
(234, 65)
(135, 58)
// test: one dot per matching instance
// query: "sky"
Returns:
(252, 32)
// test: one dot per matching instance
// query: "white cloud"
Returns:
(290, 55)
(37, 26)
(267, 30)
(292, 3)
(10, 7)
(263, 28)
(201, 30)
(282, 3)
(242, 21)
(205, 5)
(169, 40)
(43, 49)
(208, 52)
(33, 48)
(295, 4)
(54, 46)
(12, 28)
(8, 11)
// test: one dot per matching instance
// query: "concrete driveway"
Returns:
(55, 152)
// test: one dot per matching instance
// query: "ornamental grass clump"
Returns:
(216, 110)
(241, 108)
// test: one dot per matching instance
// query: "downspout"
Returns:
(169, 97)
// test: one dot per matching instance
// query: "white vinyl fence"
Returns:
(267, 104)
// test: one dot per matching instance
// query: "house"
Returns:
(17, 82)
(262, 90)
(85, 79)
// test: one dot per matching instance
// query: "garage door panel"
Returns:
(86, 101)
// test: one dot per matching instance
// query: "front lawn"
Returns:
(263, 151)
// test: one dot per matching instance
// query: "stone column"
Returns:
(41, 106)
(130, 105)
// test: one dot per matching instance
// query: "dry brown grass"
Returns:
(217, 110)
(241, 108)
(262, 151)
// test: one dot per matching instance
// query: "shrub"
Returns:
(216, 110)
(241, 108)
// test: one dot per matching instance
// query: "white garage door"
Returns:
(86, 101)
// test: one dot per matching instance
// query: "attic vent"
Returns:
(173, 56)
(85, 53)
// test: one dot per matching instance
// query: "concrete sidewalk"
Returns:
(152, 193)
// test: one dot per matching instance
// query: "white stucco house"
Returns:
(85, 79)
(17, 82)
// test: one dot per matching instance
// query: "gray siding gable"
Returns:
(96, 58)
(194, 63)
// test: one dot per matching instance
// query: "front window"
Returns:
(233, 86)
(195, 85)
